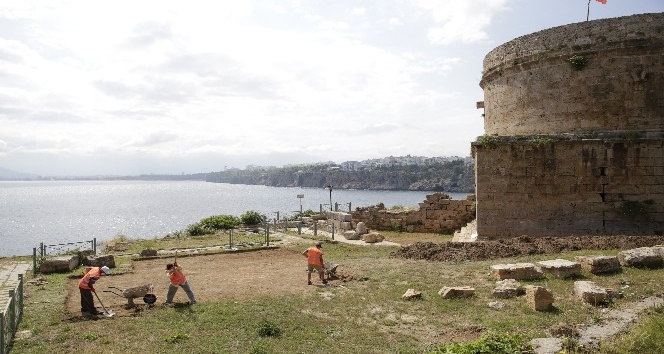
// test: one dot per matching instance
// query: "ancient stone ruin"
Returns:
(574, 124)
(437, 214)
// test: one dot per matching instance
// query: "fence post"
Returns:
(267, 235)
(230, 240)
(315, 227)
(350, 210)
(299, 228)
(12, 312)
(20, 297)
(2, 332)
(332, 231)
(41, 249)
(34, 260)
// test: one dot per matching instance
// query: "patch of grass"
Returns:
(492, 342)
(268, 329)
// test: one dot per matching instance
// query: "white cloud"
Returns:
(460, 21)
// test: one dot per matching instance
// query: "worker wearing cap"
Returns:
(315, 262)
(178, 279)
(86, 287)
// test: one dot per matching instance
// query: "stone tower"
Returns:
(574, 132)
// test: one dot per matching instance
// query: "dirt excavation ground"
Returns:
(520, 246)
(218, 276)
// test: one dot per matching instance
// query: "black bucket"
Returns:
(150, 299)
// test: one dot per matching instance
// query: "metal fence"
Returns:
(10, 316)
(44, 251)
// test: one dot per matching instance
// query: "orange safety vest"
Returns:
(90, 274)
(314, 255)
(177, 276)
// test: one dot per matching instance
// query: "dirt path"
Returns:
(220, 276)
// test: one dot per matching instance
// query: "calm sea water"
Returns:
(55, 212)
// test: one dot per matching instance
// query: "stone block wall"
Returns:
(570, 187)
(437, 214)
(530, 86)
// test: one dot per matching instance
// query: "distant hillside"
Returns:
(453, 176)
(9, 175)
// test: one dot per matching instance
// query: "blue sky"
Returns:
(131, 87)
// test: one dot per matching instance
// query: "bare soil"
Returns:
(240, 275)
(520, 246)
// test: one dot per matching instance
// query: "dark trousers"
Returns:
(87, 301)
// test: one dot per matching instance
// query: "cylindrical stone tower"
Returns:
(574, 123)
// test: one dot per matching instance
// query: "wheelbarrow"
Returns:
(331, 270)
(141, 291)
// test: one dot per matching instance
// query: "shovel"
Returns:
(106, 312)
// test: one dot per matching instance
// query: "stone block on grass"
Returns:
(560, 268)
(641, 257)
(539, 298)
(599, 264)
(454, 292)
(412, 294)
(590, 293)
(518, 271)
(508, 288)
(59, 264)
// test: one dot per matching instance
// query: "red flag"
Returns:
(602, 1)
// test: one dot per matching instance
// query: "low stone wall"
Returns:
(437, 214)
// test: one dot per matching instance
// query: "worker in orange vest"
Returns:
(86, 287)
(178, 279)
(315, 262)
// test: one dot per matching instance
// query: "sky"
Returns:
(138, 87)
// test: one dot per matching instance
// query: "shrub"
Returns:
(268, 329)
(578, 62)
(487, 141)
(220, 222)
(198, 229)
(252, 218)
(495, 343)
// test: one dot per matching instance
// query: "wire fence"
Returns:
(11, 316)
(43, 251)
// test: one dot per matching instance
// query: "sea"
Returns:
(57, 212)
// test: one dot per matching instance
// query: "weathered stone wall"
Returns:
(437, 214)
(530, 87)
(570, 187)
(574, 150)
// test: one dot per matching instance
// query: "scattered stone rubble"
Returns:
(539, 298)
(518, 271)
(599, 264)
(508, 288)
(561, 268)
(455, 292)
(588, 292)
(641, 257)
(412, 294)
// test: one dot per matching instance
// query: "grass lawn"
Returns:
(363, 315)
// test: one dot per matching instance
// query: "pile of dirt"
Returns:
(520, 246)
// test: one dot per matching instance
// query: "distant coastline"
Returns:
(455, 175)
